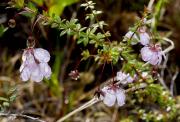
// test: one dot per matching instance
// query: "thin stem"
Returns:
(115, 114)
(173, 80)
(164, 65)
(170, 47)
(86, 105)
(102, 70)
(112, 71)
(161, 80)
(95, 100)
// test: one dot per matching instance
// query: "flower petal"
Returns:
(36, 74)
(29, 59)
(146, 53)
(109, 99)
(25, 74)
(121, 97)
(45, 70)
(41, 55)
(154, 59)
(144, 38)
(120, 76)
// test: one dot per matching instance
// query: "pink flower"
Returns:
(152, 54)
(111, 94)
(35, 64)
(143, 36)
(124, 78)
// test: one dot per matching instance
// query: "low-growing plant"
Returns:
(138, 86)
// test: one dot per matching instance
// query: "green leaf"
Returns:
(12, 98)
(54, 25)
(3, 99)
(2, 30)
(12, 90)
(85, 54)
(84, 40)
(19, 3)
(63, 32)
(31, 6)
(59, 5)
(6, 104)
(38, 2)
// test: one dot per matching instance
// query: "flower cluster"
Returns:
(35, 64)
(150, 53)
(111, 94)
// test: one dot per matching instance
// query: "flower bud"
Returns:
(12, 23)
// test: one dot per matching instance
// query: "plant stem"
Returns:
(173, 80)
(95, 100)
(86, 105)
(170, 47)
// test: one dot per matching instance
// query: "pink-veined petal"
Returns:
(146, 53)
(41, 55)
(109, 99)
(36, 75)
(144, 38)
(121, 97)
(154, 59)
(45, 70)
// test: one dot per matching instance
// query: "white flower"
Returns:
(132, 35)
(143, 36)
(35, 64)
(111, 94)
(124, 78)
(152, 54)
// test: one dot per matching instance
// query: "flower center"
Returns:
(114, 87)
(155, 48)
